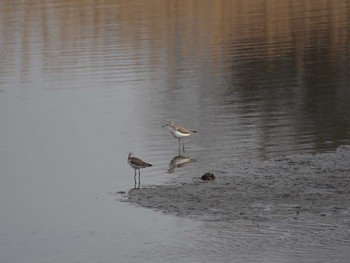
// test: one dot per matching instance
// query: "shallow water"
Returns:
(82, 84)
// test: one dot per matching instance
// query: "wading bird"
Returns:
(179, 132)
(137, 164)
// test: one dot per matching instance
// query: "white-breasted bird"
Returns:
(179, 132)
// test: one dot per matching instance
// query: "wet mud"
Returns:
(285, 187)
(300, 202)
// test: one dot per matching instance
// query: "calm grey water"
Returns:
(83, 83)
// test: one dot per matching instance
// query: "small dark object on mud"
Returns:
(208, 176)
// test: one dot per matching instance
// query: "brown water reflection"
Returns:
(281, 64)
(212, 31)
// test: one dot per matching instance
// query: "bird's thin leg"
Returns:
(139, 179)
(135, 179)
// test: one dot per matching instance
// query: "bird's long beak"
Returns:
(165, 125)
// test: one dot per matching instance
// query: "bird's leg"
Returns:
(135, 179)
(139, 179)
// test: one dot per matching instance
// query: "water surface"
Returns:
(83, 83)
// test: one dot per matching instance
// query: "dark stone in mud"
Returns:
(208, 176)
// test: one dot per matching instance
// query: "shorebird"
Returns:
(179, 132)
(137, 164)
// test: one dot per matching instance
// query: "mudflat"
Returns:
(291, 188)
(300, 203)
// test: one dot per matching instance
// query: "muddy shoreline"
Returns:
(289, 209)
(299, 186)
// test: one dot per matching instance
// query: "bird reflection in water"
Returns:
(179, 161)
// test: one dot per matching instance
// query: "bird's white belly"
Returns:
(178, 134)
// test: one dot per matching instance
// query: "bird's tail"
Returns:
(194, 131)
